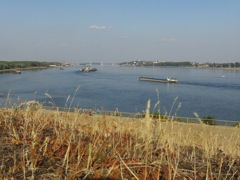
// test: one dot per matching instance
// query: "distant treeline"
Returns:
(225, 65)
(24, 64)
(156, 63)
(181, 64)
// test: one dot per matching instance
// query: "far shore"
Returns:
(218, 68)
(22, 69)
(45, 67)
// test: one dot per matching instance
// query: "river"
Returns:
(212, 92)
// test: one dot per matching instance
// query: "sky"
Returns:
(120, 30)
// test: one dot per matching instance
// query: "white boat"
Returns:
(88, 69)
(16, 72)
(169, 79)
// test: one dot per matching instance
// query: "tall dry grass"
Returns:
(41, 144)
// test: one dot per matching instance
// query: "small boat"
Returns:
(16, 72)
(167, 80)
(88, 69)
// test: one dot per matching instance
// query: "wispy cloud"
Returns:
(169, 40)
(97, 27)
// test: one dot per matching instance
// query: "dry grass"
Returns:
(40, 144)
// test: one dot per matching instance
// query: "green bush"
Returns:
(210, 120)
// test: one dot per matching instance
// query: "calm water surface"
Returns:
(204, 91)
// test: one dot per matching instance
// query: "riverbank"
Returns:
(13, 66)
(37, 144)
(215, 68)
(23, 69)
(237, 69)
(226, 68)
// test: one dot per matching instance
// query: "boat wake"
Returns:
(214, 85)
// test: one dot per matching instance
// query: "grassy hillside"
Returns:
(40, 144)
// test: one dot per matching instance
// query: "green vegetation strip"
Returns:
(9, 65)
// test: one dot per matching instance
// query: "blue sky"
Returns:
(120, 30)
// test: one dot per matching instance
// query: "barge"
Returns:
(167, 80)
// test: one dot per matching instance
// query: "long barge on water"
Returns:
(167, 80)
